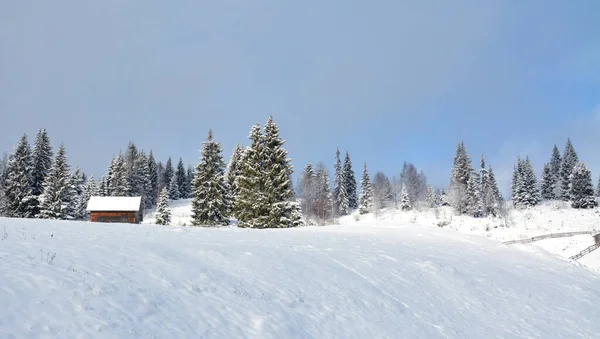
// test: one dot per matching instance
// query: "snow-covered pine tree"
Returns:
(515, 181)
(284, 210)
(582, 188)
(210, 201)
(323, 201)
(167, 174)
(42, 161)
(598, 188)
(547, 187)
(307, 192)
(366, 193)
(89, 190)
(3, 176)
(443, 198)
(133, 174)
(152, 193)
(525, 185)
(569, 161)
(485, 189)
(461, 172)
(233, 171)
(59, 198)
(103, 186)
(550, 183)
(474, 202)
(174, 193)
(180, 178)
(349, 184)
(405, 204)
(189, 178)
(340, 196)
(251, 202)
(494, 198)
(432, 199)
(118, 185)
(78, 181)
(163, 212)
(145, 180)
(18, 192)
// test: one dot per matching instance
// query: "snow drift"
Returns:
(384, 281)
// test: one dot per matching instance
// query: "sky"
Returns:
(388, 81)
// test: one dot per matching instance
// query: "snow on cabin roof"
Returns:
(121, 204)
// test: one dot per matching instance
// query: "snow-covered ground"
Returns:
(547, 218)
(386, 280)
(550, 217)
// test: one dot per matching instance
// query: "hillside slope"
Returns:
(382, 281)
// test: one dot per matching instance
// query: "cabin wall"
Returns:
(114, 216)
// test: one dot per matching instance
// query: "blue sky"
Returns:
(388, 81)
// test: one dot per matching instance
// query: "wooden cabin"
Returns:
(115, 209)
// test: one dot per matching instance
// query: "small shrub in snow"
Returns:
(443, 223)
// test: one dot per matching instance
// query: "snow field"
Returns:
(387, 280)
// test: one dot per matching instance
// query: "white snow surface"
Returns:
(125, 204)
(371, 280)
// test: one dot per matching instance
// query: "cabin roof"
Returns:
(114, 204)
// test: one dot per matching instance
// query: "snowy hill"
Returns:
(549, 217)
(384, 280)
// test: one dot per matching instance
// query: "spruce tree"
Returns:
(432, 200)
(569, 161)
(474, 202)
(42, 161)
(167, 174)
(58, 201)
(349, 183)
(103, 186)
(340, 196)
(366, 194)
(405, 204)
(525, 185)
(152, 193)
(89, 191)
(598, 188)
(461, 173)
(18, 192)
(118, 185)
(133, 173)
(548, 187)
(189, 179)
(308, 192)
(251, 202)
(493, 198)
(323, 201)
(233, 171)
(443, 198)
(582, 188)
(3, 176)
(181, 178)
(285, 211)
(174, 193)
(266, 193)
(163, 212)
(210, 202)
(144, 180)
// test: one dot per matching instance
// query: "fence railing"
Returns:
(549, 236)
(584, 252)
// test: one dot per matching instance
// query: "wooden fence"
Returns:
(586, 251)
(549, 236)
(560, 235)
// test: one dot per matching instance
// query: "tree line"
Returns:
(255, 186)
